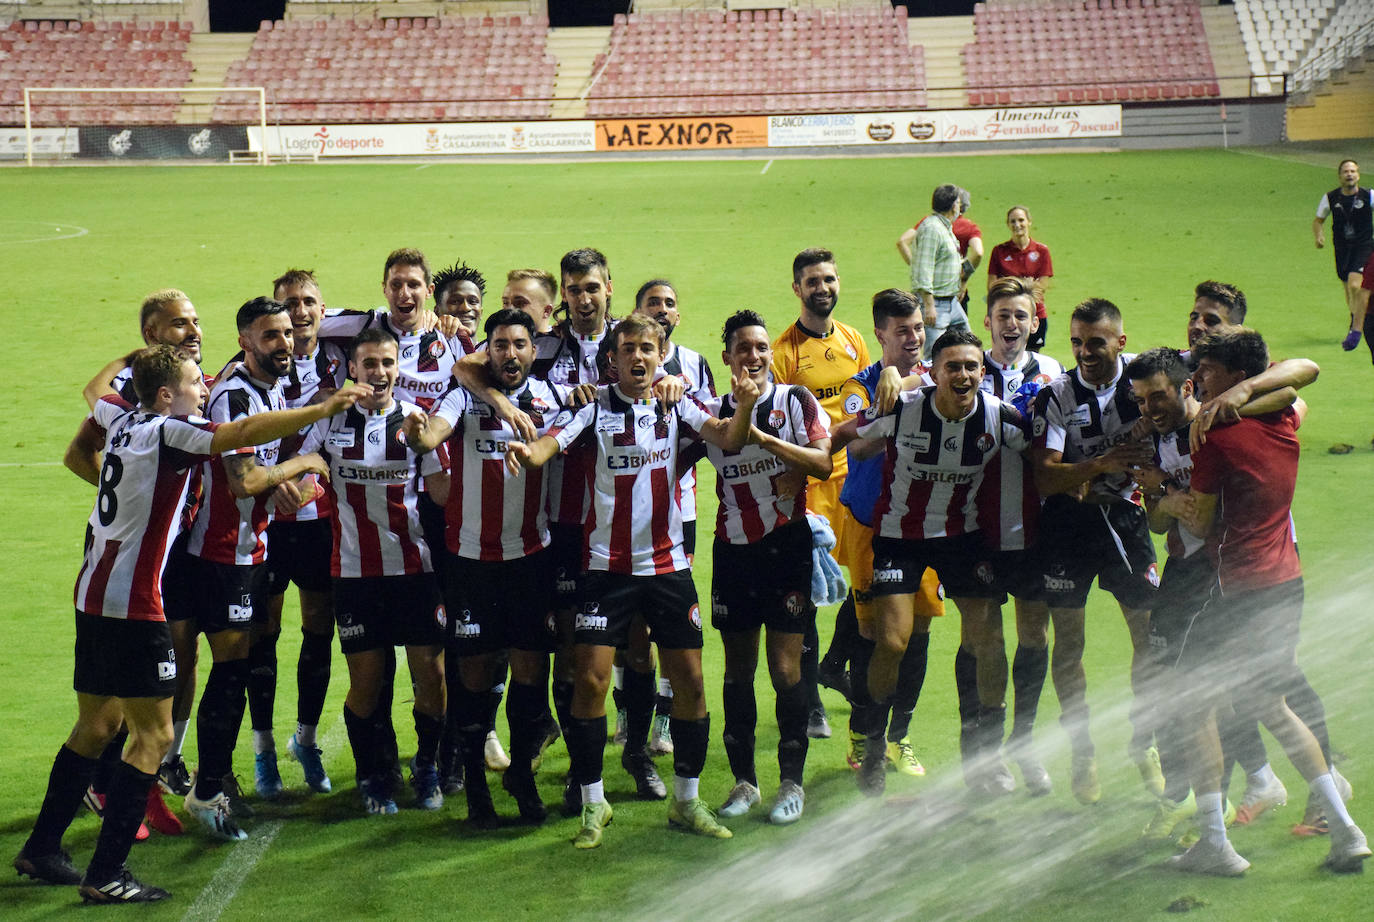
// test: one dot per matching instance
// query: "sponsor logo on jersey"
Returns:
(587, 622)
(1081, 416)
(347, 631)
(466, 627)
(887, 575)
(915, 441)
(166, 670)
(1059, 583)
(242, 612)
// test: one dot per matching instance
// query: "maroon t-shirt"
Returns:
(1033, 262)
(1252, 468)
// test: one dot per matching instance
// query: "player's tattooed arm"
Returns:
(100, 385)
(83, 454)
(248, 478)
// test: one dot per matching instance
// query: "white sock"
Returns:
(593, 793)
(618, 677)
(685, 789)
(178, 738)
(305, 735)
(1210, 818)
(1324, 788)
(665, 688)
(263, 742)
(1262, 776)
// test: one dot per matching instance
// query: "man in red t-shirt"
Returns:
(1242, 486)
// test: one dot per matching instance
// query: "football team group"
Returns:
(509, 496)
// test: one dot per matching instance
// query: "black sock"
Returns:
(741, 720)
(846, 630)
(524, 712)
(109, 760)
(262, 681)
(586, 738)
(639, 709)
(663, 706)
(217, 724)
(312, 676)
(1303, 701)
(966, 686)
(362, 742)
(1028, 669)
(451, 747)
(1173, 760)
(67, 782)
(428, 731)
(124, 809)
(992, 723)
(472, 736)
(792, 740)
(562, 694)
(388, 752)
(690, 738)
(498, 689)
(860, 655)
(911, 678)
(810, 666)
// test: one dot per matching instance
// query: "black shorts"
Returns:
(118, 658)
(689, 537)
(500, 605)
(226, 596)
(1183, 591)
(667, 602)
(1246, 645)
(1351, 260)
(375, 612)
(764, 583)
(299, 552)
(178, 582)
(1018, 574)
(566, 543)
(964, 565)
(1036, 343)
(1082, 541)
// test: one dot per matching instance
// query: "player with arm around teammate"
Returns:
(636, 564)
(140, 458)
(761, 576)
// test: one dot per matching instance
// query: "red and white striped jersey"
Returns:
(933, 466)
(147, 464)
(1174, 456)
(325, 368)
(1084, 421)
(425, 361)
(567, 359)
(746, 480)
(692, 368)
(635, 523)
(227, 529)
(492, 515)
(123, 384)
(1008, 504)
(372, 483)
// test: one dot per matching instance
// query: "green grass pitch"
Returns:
(80, 247)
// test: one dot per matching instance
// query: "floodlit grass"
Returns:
(1138, 228)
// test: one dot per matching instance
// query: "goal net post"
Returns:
(142, 123)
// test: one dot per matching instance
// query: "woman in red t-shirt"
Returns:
(1028, 260)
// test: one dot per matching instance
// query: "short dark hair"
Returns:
(810, 256)
(738, 321)
(156, 303)
(636, 323)
(458, 272)
(1095, 310)
(584, 260)
(295, 277)
(369, 336)
(406, 256)
(652, 283)
(1153, 361)
(893, 303)
(1228, 296)
(1009, 287)
(156, 367)
(944, 197)
(1240, 350)
(1340, 166)
(509, 317)
(958, 336)
(258, 307)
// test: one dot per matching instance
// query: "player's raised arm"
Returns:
(266, 427)
(83, 454)
(733, 434)
(101, 385)
(473, 373)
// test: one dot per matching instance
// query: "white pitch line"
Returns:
(423, 166)
(765, 167)
(30, 463)
(211, 902)
(1281, 158)
(79, 232)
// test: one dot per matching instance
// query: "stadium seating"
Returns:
(1277, 33)
(94, 53)
(682, 62)
(1347, 34)
(398, 69)
(1088, 51)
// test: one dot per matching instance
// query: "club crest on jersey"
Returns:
(1153, 576)
(644, 422)
(794, 603)
(776, 418)
(332, 367)
(408, 352)
(983, 573)
(694, 616)
(984, 442)
(440, 616)
(562, 419)
(374, 437)
(436, 348)
(401, 437)
(951, 443)
(1033, 256)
